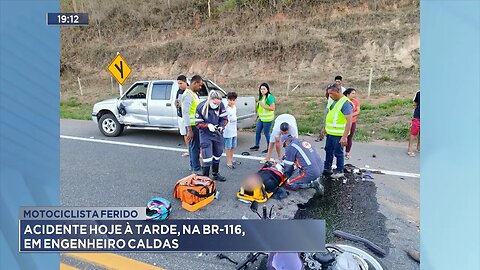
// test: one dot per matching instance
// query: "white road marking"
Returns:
(403, 174)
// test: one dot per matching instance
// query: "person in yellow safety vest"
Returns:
(338, 122)
(265, 115)
(190, 101)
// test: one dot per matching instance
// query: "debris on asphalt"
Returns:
(374, 156)
(349, 207)
(414, 255)
(356, 173)
(372, 171)
(366, 175)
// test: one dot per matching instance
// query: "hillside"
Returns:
(245, 42)
(241, 43)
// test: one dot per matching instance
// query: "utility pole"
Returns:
(370, 81)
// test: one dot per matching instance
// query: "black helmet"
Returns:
(284, 126)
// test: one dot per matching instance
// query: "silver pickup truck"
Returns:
(151, 105)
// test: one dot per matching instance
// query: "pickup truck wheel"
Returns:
(109, 125)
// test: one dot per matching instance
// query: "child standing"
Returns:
(230, 132)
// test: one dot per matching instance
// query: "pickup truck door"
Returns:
(135, 103)
(245, 105)
(245, 112)
(161, 107)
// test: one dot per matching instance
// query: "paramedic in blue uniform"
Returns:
(211, 119)
(307, 159)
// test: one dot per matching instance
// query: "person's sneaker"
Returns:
(337, 175)
(265, 151)
(255, 148)
(218, 177)
(317, 185)
(236, 162)
(327, 172)
(231, 167)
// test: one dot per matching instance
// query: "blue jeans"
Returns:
(194, 150)
(333, 148)
(302, 178)
(266, 126)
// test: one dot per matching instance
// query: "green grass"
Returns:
(370, 118)
(362, 135)
(383, 79)
(397, 132)
(389, 120)
(367, 107)
(73, 109)
(396, 103)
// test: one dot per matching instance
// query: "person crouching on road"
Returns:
(284, 124)
(307, 159)
(338, 122)
(211, 119)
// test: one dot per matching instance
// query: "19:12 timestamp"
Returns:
(67, 18)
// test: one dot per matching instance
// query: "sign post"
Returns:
(370, 81)
(119, 70)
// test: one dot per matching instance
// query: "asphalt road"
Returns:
(100, 174)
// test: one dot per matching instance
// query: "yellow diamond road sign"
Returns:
(119, 69)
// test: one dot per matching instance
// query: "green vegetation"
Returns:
(388, 120)
(384, 79)
(241, 43)
(227, 6)
(73, 109)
